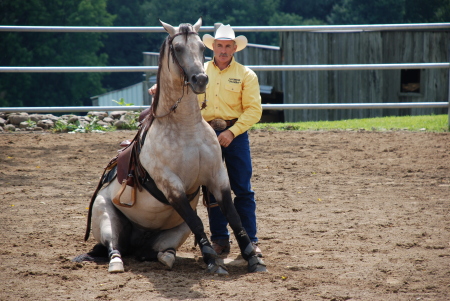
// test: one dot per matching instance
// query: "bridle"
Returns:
(183, 72)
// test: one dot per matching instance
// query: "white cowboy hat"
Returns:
(225, 32)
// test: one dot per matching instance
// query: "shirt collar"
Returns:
(229, 65)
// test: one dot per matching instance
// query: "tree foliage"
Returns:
(125, 49)
(51, 49)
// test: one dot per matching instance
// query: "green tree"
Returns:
(125, 49)
(368, 12)
(51, 49)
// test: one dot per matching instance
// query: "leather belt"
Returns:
(220, 124)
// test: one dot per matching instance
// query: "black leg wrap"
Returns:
(208, 253)
(245, 245)
(255, 264)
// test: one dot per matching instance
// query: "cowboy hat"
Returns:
(225, 32)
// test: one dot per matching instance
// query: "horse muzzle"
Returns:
(198, 82)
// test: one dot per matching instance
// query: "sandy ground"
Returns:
(342, 215)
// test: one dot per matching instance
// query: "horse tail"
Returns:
(99, 253)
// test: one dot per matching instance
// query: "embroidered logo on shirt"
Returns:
(234, 80)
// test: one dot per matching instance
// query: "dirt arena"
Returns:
(342, 215)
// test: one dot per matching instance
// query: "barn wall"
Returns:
(366, 86)
(252, 55)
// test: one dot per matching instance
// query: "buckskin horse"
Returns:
(145, 203)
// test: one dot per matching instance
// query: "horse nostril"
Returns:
(194, 79)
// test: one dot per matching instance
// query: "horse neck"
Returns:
(172, 88)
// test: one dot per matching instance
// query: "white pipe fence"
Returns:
(315, 28)
(324, 106)
(150, 29)
(254, 68)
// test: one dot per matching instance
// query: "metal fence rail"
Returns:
(149, 29)
(254, 68)
(323, 106)
(315, 28)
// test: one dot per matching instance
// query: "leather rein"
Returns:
(184, 75)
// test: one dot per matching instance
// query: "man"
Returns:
(233, 106)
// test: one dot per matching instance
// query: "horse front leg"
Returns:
(181, 204)
(255, 264)
(110, 228)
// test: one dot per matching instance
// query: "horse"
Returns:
(174, 153)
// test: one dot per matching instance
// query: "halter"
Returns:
(186, 80)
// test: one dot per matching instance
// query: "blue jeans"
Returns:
(239, 165)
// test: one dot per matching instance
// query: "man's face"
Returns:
(224, 50)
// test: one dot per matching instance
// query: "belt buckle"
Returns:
(218, 124)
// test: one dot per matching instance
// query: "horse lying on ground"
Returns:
(146, 202)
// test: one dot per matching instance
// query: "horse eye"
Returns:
(178, 48)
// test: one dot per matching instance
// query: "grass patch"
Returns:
(428, 123)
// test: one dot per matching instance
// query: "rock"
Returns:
(51, 117)
(67, 116)
(85, 118)
(36, 117)
(103, 124)
(2, 121)
(73, 119)
(24, 125)
(99, 115)
(38, 128)
(45, 124)
(10, 127)
(108, 120)
(121, 124)
(117, 114)
(17, 118)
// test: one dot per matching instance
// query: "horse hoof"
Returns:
(166, 258)
(217, 270)
(116, 266)
(256, 265)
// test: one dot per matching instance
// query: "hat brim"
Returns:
(241, 42)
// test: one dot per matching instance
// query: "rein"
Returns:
(186, 82)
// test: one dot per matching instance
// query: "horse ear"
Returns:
(198, 24)
(169, 28)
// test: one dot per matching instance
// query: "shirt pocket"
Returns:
(234, 96)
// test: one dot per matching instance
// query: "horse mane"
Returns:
(184, 29)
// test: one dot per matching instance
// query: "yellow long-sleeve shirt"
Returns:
(232, 93)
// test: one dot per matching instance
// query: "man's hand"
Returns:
(225, 138)
(152, 90)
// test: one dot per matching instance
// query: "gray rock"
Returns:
(103, 124)
(10, 127)
(99, 115)
(121, 124)
(108, 120)
(45, 124)
(117, 114)
(2, 121)
(51, 117)
(24, 125)
(17, 118)
(73, 119)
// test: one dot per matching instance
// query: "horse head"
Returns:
(187, 49)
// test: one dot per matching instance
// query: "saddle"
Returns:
(127, 169)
